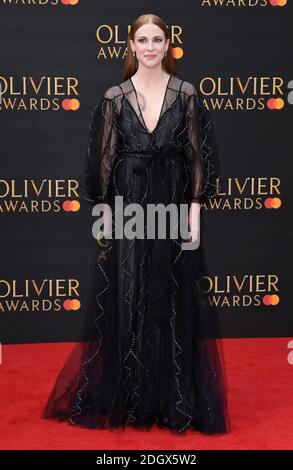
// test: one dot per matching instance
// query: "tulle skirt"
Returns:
(150, 348)
(149, 351)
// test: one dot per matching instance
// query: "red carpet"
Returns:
(260, 402)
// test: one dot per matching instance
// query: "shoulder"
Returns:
(108, 100)
(189, 89)
(182, 86)
(193, 97)
(112, 92)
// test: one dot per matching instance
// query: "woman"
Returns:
(151, 353)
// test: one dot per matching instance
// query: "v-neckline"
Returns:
(160, 114)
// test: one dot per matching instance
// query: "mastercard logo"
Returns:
(73, 304)
(71, 206)
(271, 299)
(278, 3)
(177, 52)
(275, 103)
(69, 2)
(273, 203)
(70, 104)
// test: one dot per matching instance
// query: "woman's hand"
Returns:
(194, 221)
(107, 220)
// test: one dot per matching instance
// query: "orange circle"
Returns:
(279, 103)
(277, 202)
(75, 304)
(75, 206)
(275, 299)
(177, 52)
(75, 104)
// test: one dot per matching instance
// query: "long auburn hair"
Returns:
(130, 65)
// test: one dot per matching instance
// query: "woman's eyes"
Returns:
(157, 40)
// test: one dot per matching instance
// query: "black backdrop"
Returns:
(46, 248)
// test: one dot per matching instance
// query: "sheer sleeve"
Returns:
(100, 153)
(202, 150)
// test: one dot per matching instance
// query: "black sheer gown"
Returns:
(149, 351)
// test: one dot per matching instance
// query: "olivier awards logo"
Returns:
(39, 196)
(253, 93)
(39, 295)
(249, 193)
(112, 41)
(40, 3)
(241, 290)
(243, 3)
(39, 93)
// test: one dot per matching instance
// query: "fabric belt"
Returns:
(159, 156)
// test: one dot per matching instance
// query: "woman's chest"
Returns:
(134, 135)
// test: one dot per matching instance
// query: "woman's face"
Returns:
(149, 45)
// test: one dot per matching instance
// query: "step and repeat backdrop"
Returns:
(56, 60)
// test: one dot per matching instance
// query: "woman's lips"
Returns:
(150, 56)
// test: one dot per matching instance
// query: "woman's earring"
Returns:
(165, 53)
(133, 53)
